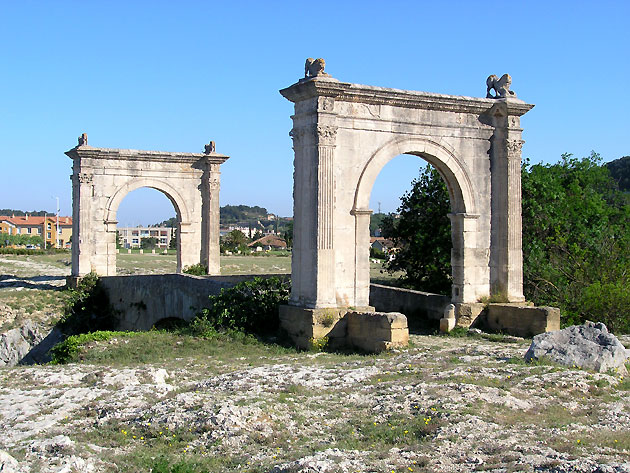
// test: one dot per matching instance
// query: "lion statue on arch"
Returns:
(501, 87)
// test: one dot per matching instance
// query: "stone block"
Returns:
(468, 313)
(446, 325)
(304, 325)
(522, 320)
(377, 331)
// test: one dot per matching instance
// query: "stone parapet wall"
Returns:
(143, 300)
(414, 304)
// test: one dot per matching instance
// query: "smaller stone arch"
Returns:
(102, 177)
(453, 170)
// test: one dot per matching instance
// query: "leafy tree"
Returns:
(257, 235)
(148, 243)
(21, 239)
(250, 306)
(376, 221)
(620, 172)
(173, 243)
(422, 235)
(170, 222)
(576, 235)
(235, 240)
(288, 234)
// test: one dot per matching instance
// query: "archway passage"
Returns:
(411, 242)
(102, 177)
(343, 134)
(147, 233)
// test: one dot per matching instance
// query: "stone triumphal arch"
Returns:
(343, 134)
(102, 177)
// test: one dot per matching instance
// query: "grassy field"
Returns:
(28, 266)
(147, 263)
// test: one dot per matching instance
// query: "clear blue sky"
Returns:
(165, 75)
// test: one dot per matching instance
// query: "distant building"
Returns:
(268, 242)
(44, 227)
(131, 237)
(381, 244)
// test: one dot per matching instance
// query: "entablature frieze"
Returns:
(356, 93)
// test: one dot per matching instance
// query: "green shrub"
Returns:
(68, 350)
(250, 306)
(378, 254)
(607, 303)
(196, 269)
(87, 309)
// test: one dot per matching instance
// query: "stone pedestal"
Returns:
(447, 323)
(375, 332)
(365, 329)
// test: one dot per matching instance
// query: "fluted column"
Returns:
(506, 234)
(82, 246)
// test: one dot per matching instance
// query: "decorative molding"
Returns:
(514, 147)
(357, 93)
(325, 104)
(326, 135)
(84, 178)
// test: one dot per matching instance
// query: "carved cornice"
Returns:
(88, 152)
(346, 92)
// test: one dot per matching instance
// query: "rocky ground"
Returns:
(444, 405)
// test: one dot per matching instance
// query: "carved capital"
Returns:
(83, 178)
(514, 147)
(214, 180)
(326, 135)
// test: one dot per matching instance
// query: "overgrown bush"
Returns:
(196, 269)
(87, 309)
(376, 253)
(250, 306)
(68, 350)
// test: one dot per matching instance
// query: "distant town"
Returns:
(243, 228)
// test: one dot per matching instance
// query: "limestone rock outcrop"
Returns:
(588, 346)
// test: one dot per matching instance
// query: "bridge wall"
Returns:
(143, 300)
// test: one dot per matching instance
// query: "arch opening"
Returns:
(411, 235)
(146, 232)
(463, 216)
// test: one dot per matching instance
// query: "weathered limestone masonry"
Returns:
(102, 177)
(344, 134)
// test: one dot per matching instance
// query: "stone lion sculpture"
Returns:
(314, 67)
(501, 87)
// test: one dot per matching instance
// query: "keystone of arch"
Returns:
(441, 156)
(173, 195)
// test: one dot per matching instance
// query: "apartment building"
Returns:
(131, 237)
(44, 227)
